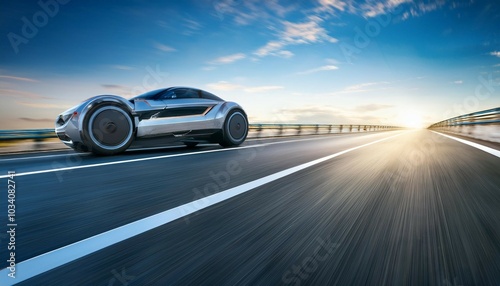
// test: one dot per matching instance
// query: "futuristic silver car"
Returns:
(108, 124)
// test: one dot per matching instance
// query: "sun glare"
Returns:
(412, 120)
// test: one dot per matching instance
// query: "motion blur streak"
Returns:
(416, 209)
(129, 160)
(66, 254)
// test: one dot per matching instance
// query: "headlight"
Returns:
(66, 117)
(63, 118)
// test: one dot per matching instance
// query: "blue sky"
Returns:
(398, 62)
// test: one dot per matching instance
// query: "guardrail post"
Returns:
(259, 130)
(350, 128)
(299, 129)
(330, 129)
(280, 132)
(340, 128)
(317, 128)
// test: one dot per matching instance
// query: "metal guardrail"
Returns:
(485, 117)
(302, 129)
(25, 134)
(258, 129)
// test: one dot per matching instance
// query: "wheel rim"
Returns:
(110, 127)
(237, 126)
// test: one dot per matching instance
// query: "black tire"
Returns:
(235, 129)
(191, 144)
(108, 129)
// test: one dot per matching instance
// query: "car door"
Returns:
(184, 102)
(184, 111)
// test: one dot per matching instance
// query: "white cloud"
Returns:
(285, 54)
(332, 61)
(371, 107)
(308, 32)
(164, 48)
(123, 90)
(18, 78)
(248, 11)
(21, 94)
(263, 88)
(458, 82)
(362, 87)
(372, 9)
(325, 114)
(310, 114)
(337, 4)
(334, 6)
(319, 69)
(277, 8)
(412, 8)
(269, 49)
(419, 9)
(191, 26)
(495, 53)
(305, 33)
(44, 105)
(228, 59)
(226, 86)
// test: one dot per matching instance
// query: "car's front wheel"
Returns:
(108, 129)
(235, 128)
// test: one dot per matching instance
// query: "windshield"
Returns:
(149, 95)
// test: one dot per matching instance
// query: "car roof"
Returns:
(155, 93)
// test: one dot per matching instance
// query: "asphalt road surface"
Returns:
(388, 208)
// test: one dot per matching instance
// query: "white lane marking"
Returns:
(44, 157)
(475, 145)
(152, 158)
(55, 258)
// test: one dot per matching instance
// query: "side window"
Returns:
(208, 95)
(191, 93)
(181, 93)
(169, 95)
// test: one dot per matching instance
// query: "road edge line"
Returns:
(486, 149)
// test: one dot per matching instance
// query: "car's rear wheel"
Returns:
(109, 129)
(235, 128)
